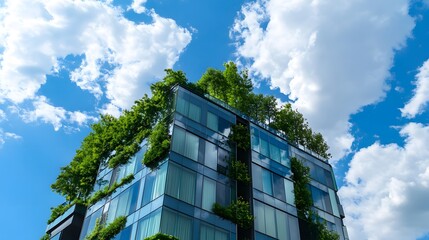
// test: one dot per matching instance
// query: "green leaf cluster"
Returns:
(161, 236)
(159, 144)
(236, 88)
(103, 232)
(108, 190)
(238, 170)
(240, 135)
(237, 212)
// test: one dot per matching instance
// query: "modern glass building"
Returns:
(176, 198)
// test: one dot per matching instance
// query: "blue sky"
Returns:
(357, 70)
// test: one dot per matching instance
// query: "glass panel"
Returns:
(149, 225)
(334, 202)
(290, 196)
(191, 146)
(282, 226)
(178, 140)
(209, 194)
(260, 220)
(210, 158)
(211, 233)
(264, 147)
(182, 106)
(255, 139)
(212, 121)
(266, 182)
(181, 184)
(177, 225)
(284, 158)
(270, 221)
(257, 177)
(159, 184)
(194, 112)
(278, 186)
(274, 153)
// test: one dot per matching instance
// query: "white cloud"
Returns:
(138, 6)
(421, 93)
(58, 117)
(7, 135)
(387, 187)
(332, 57)
(44, 112)
(37, 34)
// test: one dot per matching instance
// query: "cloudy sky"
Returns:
(357, 69)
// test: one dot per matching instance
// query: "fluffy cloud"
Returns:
(332, 57)
(387, 187)
(56, 116)
(120, 58)
(421, 93)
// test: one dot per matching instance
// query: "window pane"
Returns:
(270, 221)
(334, 203)
(274, 153)
(266, 182)
(279, 189)
(282, 226)
(209, 194)
(255, 139)
(290, 196)
(181, 184)
(177, 225)
(159, 184)
(283, 158)
(149, 225)
(212, 121)
(257, 177)
(260, 220)
(264, 147)
(182, 106)
(210, 158)
(178, 140)
(191, 146)
(194, 112)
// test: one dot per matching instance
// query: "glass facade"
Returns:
(177, 197)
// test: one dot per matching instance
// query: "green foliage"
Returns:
(108, 190)
(237, 212)
(240, 135)
(159, 144)
(102, 232)
(301, 178)
(161, 236)
(238, 171)
(304, 201)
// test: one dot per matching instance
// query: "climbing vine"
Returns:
(108, 190)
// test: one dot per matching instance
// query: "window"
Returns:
(269, 146)
(334, 203)
(124, 204)
(89, 223)
(188, 109)
(209, 194)
(124, 234)
(272, 184)
(181, 183)
(321, 199)
(149, 225)
(176, 224)
(272, 222)
(218, 124)
(185, 143)
(154, 184)
(214, 156)
(208, 232)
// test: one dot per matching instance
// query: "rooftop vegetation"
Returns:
(114, 141)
